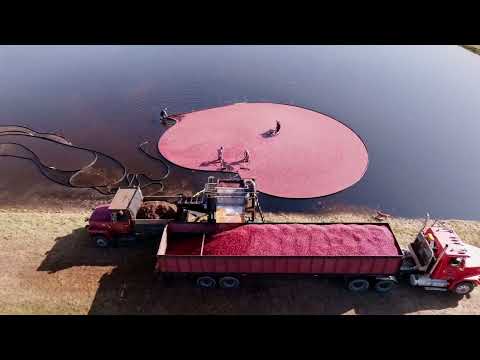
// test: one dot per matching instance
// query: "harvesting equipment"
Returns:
(225, 201)
(214, 237)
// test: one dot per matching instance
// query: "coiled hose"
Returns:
(65, 177)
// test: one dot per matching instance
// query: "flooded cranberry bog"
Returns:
(414, 107)
(407, 103)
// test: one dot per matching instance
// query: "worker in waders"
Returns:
(220, 157)
(163, 113)
(277, 129)
(246, 157)
(220, 154)
(163, 116)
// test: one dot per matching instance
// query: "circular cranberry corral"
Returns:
(312, 155)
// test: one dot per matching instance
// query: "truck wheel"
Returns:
(101, 241)
(229, 282)
(206, 282)
(384, 286)
(358, 285)
(463, 288)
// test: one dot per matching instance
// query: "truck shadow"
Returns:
(77, 249)
(132, 288)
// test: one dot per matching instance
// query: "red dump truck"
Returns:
(367, 255)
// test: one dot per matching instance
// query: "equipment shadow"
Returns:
(132, 288)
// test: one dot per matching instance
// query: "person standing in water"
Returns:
(246, 156)
(163, 116)
(220, 154)
(277, 128)
(163, 113)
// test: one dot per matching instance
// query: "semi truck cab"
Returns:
(444, 262)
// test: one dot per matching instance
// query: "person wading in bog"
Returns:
(163, 113)
(164, 116)
(277, 129)
(220, 154)
(246, 156)
(220, 157)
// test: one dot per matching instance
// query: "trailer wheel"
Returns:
(229, 282)
(384, 286)
(101, 241)
(463, 288)
(206, 282)
(358, 285)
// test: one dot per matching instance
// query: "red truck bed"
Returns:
(279, 248)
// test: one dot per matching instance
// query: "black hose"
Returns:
(129, 179)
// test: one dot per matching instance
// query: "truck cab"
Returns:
(444, 262)
(118, 220)
(104, 225)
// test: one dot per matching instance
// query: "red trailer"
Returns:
(364, 253)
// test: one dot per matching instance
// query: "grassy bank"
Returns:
(50, 266)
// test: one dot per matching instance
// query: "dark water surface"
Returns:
(416, 108)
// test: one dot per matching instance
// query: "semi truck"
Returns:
(436, 260)
(228, 244)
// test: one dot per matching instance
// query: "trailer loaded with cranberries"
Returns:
(229, 245)
(366, 255)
